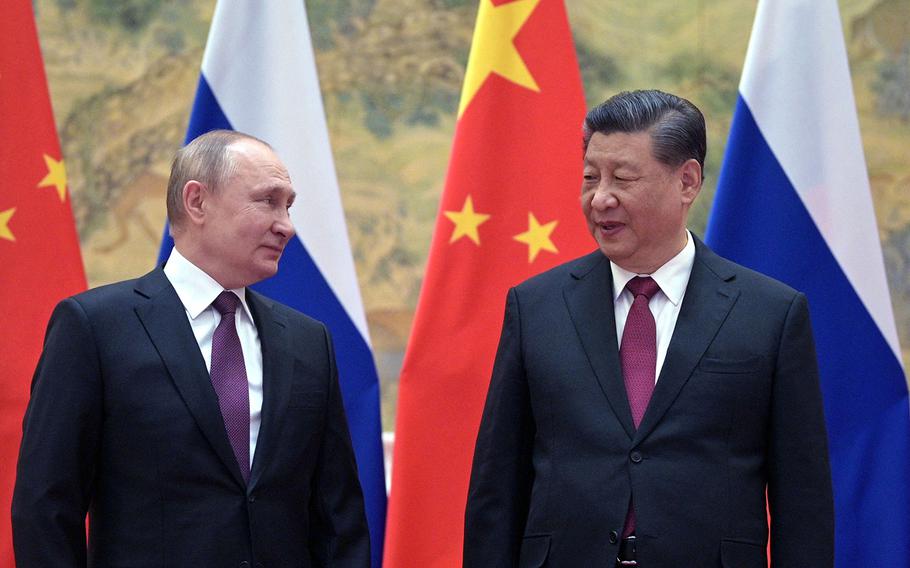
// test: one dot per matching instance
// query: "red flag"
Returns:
(40, 262)
(510, 209)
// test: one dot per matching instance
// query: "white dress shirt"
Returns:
(672, 277)
(197, 290)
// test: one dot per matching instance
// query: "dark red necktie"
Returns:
(638, 353)
(228, 374)
(638, 350)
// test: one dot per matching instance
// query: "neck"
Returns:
(652, 266)
(194, 256)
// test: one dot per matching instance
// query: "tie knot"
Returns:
(643, 286)
(226, 302)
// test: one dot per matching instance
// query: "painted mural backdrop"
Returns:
(123, 74)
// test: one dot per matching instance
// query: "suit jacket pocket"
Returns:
(741, 365)
(739, 554)
(534, 550)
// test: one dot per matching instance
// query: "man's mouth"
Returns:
(610, 226)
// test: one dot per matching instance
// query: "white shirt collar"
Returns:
(672, 277)
(196, 289)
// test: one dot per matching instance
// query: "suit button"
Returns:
(244, 564)
(251, 498)
(614, 537)
(635, 457)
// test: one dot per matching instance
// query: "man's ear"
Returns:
(691, 180)
(194, 197)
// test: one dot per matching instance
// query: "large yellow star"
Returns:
(466, 222)
(5, 232)
(492, 50)
(537, 237)
(56, 176)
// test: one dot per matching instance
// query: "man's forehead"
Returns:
(272, 168)
(619, 146)
(255, 155)
(250, 149)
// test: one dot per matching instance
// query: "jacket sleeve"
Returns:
(799, 475)
(339, 535)
(60, 444)
(501, 476)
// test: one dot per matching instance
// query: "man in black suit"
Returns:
(650, 398)
(196, 422)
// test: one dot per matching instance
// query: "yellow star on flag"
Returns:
(537, 237)
(5, 232)
(466, 222)
(492, 50)
(56, 176)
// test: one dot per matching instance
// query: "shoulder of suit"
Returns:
(574, 269)
(110, 296)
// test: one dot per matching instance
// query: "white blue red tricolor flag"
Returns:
(259, 77)
(793, 201)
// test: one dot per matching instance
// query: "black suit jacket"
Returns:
(123, 422)
(736, 410)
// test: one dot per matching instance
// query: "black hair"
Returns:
(676, 125)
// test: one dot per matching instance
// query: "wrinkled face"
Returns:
(636, 206)
(246, 224)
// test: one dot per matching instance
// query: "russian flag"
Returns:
(793, 202)
(259, 77)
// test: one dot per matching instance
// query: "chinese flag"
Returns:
(510, 209)
(39, 249)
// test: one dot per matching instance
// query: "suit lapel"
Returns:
(589, 299)
(709, 297)
(164, 319)
(277, 372)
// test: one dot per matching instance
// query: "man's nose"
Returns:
(283, 226)
(603, 198)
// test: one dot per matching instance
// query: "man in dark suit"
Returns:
(649, 397)
(196, 422)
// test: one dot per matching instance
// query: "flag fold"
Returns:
(40, 262)
(509, 210)
(793, 201)
(259, 77)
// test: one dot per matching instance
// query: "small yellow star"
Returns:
(492, 50)
(466, 222)
(537, 237)
(5, 232)
(56, 176)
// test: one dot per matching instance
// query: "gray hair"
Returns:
(208, 160)
(676, 125)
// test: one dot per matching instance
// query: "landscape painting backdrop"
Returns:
(123, 74)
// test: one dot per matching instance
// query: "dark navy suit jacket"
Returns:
(736, 411)
(123, 422)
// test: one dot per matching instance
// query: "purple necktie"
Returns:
(638, 353)
(229, 379)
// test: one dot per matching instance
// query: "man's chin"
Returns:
(613, 251)
(266, 270)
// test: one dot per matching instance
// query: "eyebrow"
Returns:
(273, 189)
